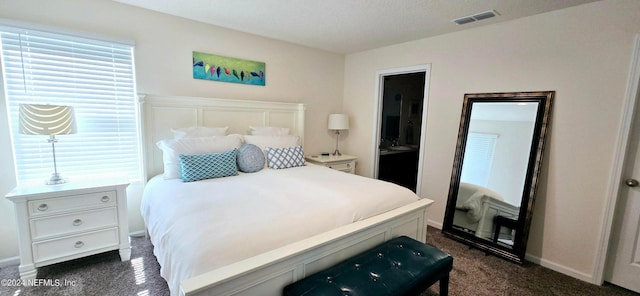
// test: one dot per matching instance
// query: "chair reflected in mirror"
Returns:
(478, 207)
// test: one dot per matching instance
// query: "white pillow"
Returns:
(265, 142)
(268, 131)
(172, 148)
(199, 131)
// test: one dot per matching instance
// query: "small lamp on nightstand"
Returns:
(48, 120)
(338, 122)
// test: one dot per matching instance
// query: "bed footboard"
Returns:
(268, 273)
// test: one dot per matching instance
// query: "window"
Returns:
(478, 158)
(97, 78)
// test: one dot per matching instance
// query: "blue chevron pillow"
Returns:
(196, 167)
(284, 158)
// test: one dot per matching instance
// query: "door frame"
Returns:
(615, 184)
(377, 116)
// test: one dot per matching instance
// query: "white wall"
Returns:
(163, 66)
(583, 53)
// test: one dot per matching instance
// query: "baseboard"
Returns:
(9, 261)
(434, 224)
(139, 233)
(560, 268)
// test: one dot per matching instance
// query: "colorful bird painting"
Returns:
(227, 69)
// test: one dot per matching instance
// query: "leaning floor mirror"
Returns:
(496, 170)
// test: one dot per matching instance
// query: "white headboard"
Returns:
(161, 113)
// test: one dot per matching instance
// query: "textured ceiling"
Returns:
(348, 26)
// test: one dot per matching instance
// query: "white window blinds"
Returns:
(478, 158)
(95, 77)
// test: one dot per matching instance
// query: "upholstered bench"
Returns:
(401, 266)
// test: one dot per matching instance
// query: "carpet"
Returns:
(474, 273)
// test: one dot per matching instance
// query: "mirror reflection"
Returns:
(494, 169)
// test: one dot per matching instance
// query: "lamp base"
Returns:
(337, 152)
(56, 179)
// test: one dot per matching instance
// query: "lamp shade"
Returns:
(338, 122)
(38, 119)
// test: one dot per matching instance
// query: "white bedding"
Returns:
(471, 197)
(201, 226)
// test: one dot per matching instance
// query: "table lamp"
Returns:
(51, 120)
(338, 122)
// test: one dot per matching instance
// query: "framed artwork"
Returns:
(226, 69)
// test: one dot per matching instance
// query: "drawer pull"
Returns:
(348, 165)
(43, 207)
(77, 222)
(79, 244)
(105, 199)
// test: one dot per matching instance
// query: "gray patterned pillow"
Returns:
(250, 158)
(284, 158)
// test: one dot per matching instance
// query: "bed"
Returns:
(477, 208)
(253, 241)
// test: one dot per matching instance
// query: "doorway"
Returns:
(401, 119)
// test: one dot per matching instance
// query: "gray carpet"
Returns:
(102, 274)
(473, 273)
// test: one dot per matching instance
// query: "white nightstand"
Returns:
(344, 163)
(67, 221)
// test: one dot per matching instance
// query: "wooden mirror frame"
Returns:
(515, 253)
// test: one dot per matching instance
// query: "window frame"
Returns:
(132, 106)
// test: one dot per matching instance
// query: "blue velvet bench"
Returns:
(401, 266)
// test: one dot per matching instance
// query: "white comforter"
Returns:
(200, 226)
(471, 197)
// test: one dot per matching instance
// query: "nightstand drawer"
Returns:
(77, 244)
(344, 163)
(72, 202)
(345, 167)
(72, 223)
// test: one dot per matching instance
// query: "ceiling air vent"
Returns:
(475, 17)
(464, 20)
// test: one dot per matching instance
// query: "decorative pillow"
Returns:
(250, 158)
(268, 131)
(196, 167)
(172, 148)
(199, 131)
(265, 142)
(284, 158)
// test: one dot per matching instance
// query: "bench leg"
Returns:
(444, 286)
